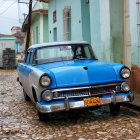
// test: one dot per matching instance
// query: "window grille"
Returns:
(67, 23)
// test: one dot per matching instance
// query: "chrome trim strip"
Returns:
(80, 104)
(55, 98)
(69, 89)
(81, 96)
(84, 87)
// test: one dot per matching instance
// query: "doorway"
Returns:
(55, 34)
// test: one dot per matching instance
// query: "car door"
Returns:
(27, 69)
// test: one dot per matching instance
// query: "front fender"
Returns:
(34, 77)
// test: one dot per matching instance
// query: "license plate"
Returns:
(91, 101)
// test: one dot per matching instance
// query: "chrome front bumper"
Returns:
(68, 105)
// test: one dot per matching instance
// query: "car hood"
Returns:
(83, 72)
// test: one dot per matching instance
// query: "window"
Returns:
(67, 23)
(54, 16)
(27, 58)
(55, 34)
(48, 53)
(87, 51)
(63, 53)
(31, 57)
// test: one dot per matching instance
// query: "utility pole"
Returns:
(29, 25)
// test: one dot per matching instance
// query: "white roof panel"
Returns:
(57, 43)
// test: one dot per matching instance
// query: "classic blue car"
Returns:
(66, 75)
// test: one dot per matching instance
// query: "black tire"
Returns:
(114, 109)
(26, 97)
(42, 117)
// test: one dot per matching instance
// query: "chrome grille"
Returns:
(86, 92)
(102, 90)
(74, 93)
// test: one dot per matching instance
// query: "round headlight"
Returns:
(125, 73)
(47, 96)
(45, 81)
(125, 87)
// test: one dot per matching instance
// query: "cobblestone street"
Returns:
(19, 120)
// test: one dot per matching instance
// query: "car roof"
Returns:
(57, 43)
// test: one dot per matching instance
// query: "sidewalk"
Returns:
(136, 99)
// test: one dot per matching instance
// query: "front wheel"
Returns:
(114, 109)
(42, 117)
(26, 97)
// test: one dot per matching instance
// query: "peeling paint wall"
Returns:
(105, 30)
(135, 69)
(95, 27)
(133, 30)
(76, 25)
(116, 31)
(85, 12)
(105, 24)
(108, 20)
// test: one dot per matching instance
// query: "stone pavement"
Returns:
(19, 121)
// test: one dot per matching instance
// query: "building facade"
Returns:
(19, 41)
(89, 20)
(39, 24)
(15, 29)
(134, 14)
(16, 32)
(8, 52)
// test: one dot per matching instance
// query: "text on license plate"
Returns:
(93, 101)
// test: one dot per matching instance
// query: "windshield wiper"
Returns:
(84, 59)
(81, 58)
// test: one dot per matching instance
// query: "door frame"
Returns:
(126, 34)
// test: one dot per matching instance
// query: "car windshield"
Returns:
(63, 53)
